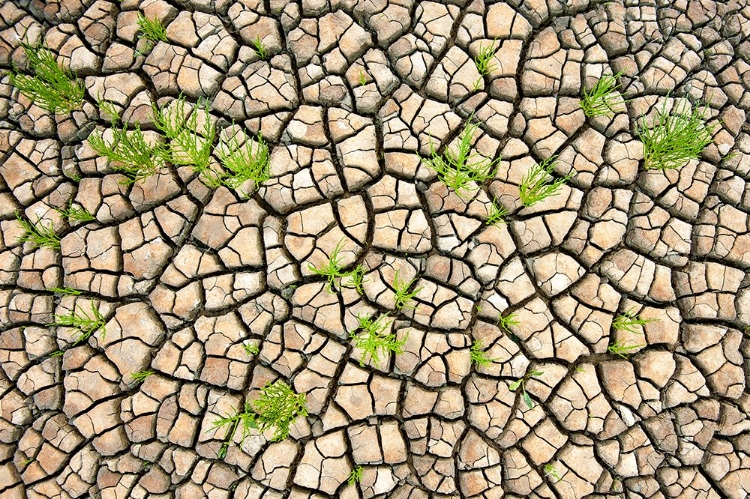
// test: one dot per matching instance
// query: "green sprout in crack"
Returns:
(551, 472)
(190, 141)
(371, 339)
(354, 279)
(332, 270)
(478, 355)
(675, 137)
(505, 322)
(522, 384)
(630, 322)
(275, 409)
(141, 376)
(355, 476)
(483, 60)
(601, 100)
(38, 234)
(251, 348)
(362, 78)
(260, 48)
(622, 349)
(538, 184)
(243, 162)
(57, 353)
(65, 291)
(128, 149)
(76, 213)
(496, 213)
(402, 293)
(457, 167)
(51, 87)
(83, 323)
(151, 29)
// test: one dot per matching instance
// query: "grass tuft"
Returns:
(601, 100)
(496, 213)
(551, 472)
(478, 355)
(140, 376)
(65, 291)
(483, 60)
(76, 213)
(260, 48)
(403, 295)
(251, 348)
(51, 87)
(622, 349)
(522, 384)
(38, 234)
(243, 162)
(506, 322)
(371, 339)
(538, 183)
(332, 270)
(675, 137)
(83, 323)
(457, 167)
(355, 476)
(151, 29)
(630, 322)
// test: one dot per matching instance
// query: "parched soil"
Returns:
(505, 384)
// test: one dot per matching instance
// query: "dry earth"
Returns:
(186, 275)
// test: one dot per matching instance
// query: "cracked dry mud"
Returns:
(186, 275)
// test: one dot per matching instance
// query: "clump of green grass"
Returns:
(551, 472)
(140, 376)
(260, 48)
(362, 78)
(371, 339)
(189, 143)
(457, 167)
(505, 322)
(496, 213)
(275, 409)
(622, 349)
(332, 270)
(478, 355)
(151, 29)
(76, 213)
(522, 384)
(601, 100)
(51, 86)
(65, 291)
(37, 233)
(355, 476)
(83, 323)
(675, 137)
(355, 279)
(402, 293)
(251, 348)
(483, 60)
(630, 322)
(132, 154)
(538, 183)
(243, 162)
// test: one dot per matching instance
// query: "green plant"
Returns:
(38, 234)
(355, 476)
(133, 155)
(458, 167)
(402, 293)
(354, 279)
(675, 137)
(151, 29)
(551, 471)
(51, 87)
(521, 382)
(85, 324)
(537, 185)
(478, 355)
(189, 142)
(140, 376)
(601, 99)
(76, 213)
(371, 338)
(260, 48)
(496, 213)
(483, 60)
(332, 270)
(243, 162)
(362, 78)
(507, 321)
(628, 322)
(251, 348)
(57, 353)
(65, 291)
(276, 408)
(622, 349)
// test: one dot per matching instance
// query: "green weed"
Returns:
(401, 290)
(51, 87)
(496, 213)
(140, 376)
(537, 185)
(362, 78)
(522, 384)
(355, 476)
(151, 29)
(507, 321)
(551, 471)
(65, 291)
(371, 339)
(38, 234)
(478, 355)
(243, 162)
(76, 213)
(601, 100)
(629, 322)
(83, 323)
(260, 48)
(622, 349)
(332, 270)
(251, 348)
(483, 60)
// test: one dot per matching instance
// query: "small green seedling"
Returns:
(601, 100)
(332, 270)
(522, 383)
(675, 137)
(260, 48)
(484, 58)
(65, 291)
(51, 87)
(76, 213)
(538, 184)
(371, 339)
(506, 322)
(151, 29)
(140, 376)
(38, 234)
(243, 162)
(251, 349)
(355, 476)
(362, 78)
(630, 322)
(275, 409)
(128, 149)
(496, 213)
(551, 472)
(622, 349)
(402, 293)
(478, 355)
(83, 323)
(355, 279)
(57, 353)
(457, 167)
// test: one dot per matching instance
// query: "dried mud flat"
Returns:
(190, 278)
